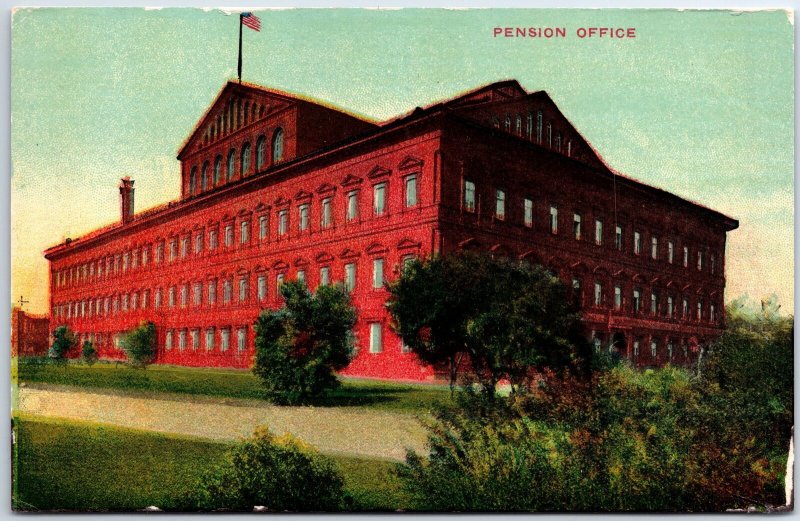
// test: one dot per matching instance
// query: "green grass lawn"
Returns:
(226, 383)
(65, 465)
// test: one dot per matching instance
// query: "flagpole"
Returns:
(239, 70)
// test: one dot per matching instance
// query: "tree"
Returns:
(89, 353)
(279, 473)
(140, 345)
(63, 340)
(300, 346)
(502, 317)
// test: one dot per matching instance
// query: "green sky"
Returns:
(699, 103)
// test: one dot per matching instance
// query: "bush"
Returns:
(89, 353)
(140, 345)
(300, 346)
(279, 473)
(63, 341)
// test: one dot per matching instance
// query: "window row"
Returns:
(532, 127)
(230, 290)
(665, 305)
(236, 114)
(211, 174)
(212, 338)
(657, 250)
(233, 233)
(667, 349)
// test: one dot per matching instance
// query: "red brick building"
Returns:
(276, 187)
(30, 334)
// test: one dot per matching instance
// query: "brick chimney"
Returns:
(126, 199)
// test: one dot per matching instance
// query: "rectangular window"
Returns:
(210, 339)
(654, 247)
(243, 289)
(685, 256)
(283, 222)
(212, 240)
(528, 211)
(197, 297)
(157, 303)
(241, 339)
(653, 303)
(134, 262)
(184, 295)
(500, 204)
(598, 294)
(712, 314)
(198, 243)
(302, 212)
(685, 308)
(699, 261)
(636, 348)
(670, 307)
(670, 252)
(379, 198)
(699, 310)
(377, 274)
(168, 341)
(279, 281)
(576, 226)
(229, 235)
(352, 205)
(182, 339)
(244, 232)
(262, 287)
(598, 232)
(173, 250)
(224, 339)
(553, 219)
(469, 196)
(411, 191)
(327, 213)
(637, 243)
(301, 276)
(212, 292)
(185, 247)
(375, 337)
(324, 276)
(712, 263)
(617, 298)
(171, 300)
(226, 292)
(263, 227)
(195, 339)
(125, 258)
(618, 238)
(637, 300)
(653, 348)
(350, 276)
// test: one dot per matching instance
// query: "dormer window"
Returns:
(244, 164)
(277, 145)
(261, 153)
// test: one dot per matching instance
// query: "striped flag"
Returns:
(251, 21)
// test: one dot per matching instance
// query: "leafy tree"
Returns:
(300, 346)
(140, 345)
(63, 340)
(89, 353)
(279, 473)
(503, 318)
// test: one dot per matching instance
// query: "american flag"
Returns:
(251, 21)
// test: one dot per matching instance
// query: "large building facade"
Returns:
(277, 187)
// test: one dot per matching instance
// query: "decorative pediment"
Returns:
(501, 249)
(376, 249)
(211, 222)
(197, 227)
(300, 262)
(244, 212)
(261, 207)
(323, 257)
(281, 201)
(347, 253)
(260, 268)
(325, 188)
(670, 284)
(556, 263)
(655, 280)
(378, 172)
(470, 244)
(685, 287)
(531, 257)
(410, 162)
(242, 271)
(637, 278)
(621, 274)
(279, 266)
(406, 244)
(351, 180)
(601, 270)
(227, 217)
(302, 195)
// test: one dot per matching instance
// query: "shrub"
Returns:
(63, 341)
(279, 473)
(300, 346)
(140, 345)
(89, 353)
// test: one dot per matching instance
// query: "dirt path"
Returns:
(341, 430)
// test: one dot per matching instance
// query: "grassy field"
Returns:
(226, 383)
(63, 465)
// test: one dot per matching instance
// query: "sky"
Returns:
(699, 103)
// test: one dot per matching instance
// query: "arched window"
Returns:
(247, 112)
(205, 175)
(261, 152)
(231, 160)
(217, 169)
(277, 145)
(192, 180)
(518, 126)
(244, 164)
